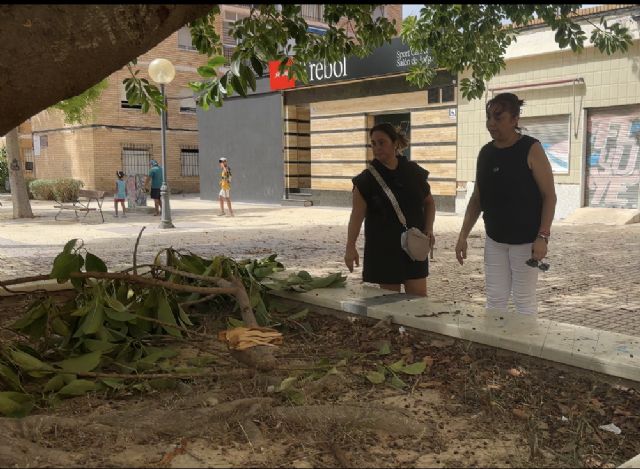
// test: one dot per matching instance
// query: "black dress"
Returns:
(384, 260)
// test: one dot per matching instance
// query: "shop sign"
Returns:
(278, 81)
(389, 59)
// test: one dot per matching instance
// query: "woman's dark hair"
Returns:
(507, 102)
(120, 174)
(396, 135)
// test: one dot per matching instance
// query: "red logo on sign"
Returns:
(278, 81)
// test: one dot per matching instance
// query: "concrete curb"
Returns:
(592, 349)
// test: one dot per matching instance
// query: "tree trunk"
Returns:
(54, 52)
(19, 195)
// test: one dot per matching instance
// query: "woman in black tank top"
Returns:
(515, 192)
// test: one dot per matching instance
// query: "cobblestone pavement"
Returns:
(594, 278)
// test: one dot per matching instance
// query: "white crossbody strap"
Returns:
(392, 198)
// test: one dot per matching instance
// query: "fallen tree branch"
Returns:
(153, 282)
(135, 251)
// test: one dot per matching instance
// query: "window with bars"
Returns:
(29, 161)
(135, 159)
(189, 161)
(230, 17)
(184, 39)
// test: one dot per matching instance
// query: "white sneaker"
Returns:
(124, 215)
(115, 215)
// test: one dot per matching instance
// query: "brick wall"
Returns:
(92, 151)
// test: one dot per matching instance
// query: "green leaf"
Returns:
(294, 396)
(121, 316)
(92, 321)
(28, 362)
(165, 314)
(113, 383)
(184, 317)
(233, 322)
(206, 71)
(60, 327)
(375, 377)
(81, 364)
(77, 387)
(257, 65)
(415, 368)
(235, 68)
(397, 366)
(15, 404)
(69, 246)
(10, 377)
(34, 313)
(216, 61)
(397, 383)
(287, 383)
(94, 263)
(98, 345)
(54, 384)
(385, 348)
(239, 86)
(248, 76)
(299, 315)
(64, 264)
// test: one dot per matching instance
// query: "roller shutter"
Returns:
(613, 157)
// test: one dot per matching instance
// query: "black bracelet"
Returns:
(541, 236)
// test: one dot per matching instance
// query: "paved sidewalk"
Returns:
(594, 278)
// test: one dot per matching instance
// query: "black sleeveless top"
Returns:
(509, 196)
(384, 259)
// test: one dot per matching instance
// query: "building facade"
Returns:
(584, 108)
(119, 136)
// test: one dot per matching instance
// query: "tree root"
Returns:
(388, 421)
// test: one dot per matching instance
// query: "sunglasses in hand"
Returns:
(539, 264)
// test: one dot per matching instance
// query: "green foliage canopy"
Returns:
(460, 38)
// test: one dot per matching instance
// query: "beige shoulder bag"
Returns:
(413, 241)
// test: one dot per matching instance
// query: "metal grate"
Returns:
(135, 159)
(29, 161)
(189, 161)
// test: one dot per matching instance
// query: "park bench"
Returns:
(82, 203)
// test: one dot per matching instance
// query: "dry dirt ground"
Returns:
(473, 406)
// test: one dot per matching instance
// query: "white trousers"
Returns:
(506, 273)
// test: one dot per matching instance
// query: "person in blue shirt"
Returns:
(120, 194)
(155, 176)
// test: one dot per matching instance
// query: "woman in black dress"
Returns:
(385, 262)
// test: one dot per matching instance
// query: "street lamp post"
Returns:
(163, 72)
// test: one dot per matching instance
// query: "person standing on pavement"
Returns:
(225, 186)
(155, 176)
(515, 192)
(385, 262)
(120, 194)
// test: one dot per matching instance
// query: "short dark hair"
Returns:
(507, 102)
(396, 135)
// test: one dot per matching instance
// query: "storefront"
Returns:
(327, 124)
(321, 140)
